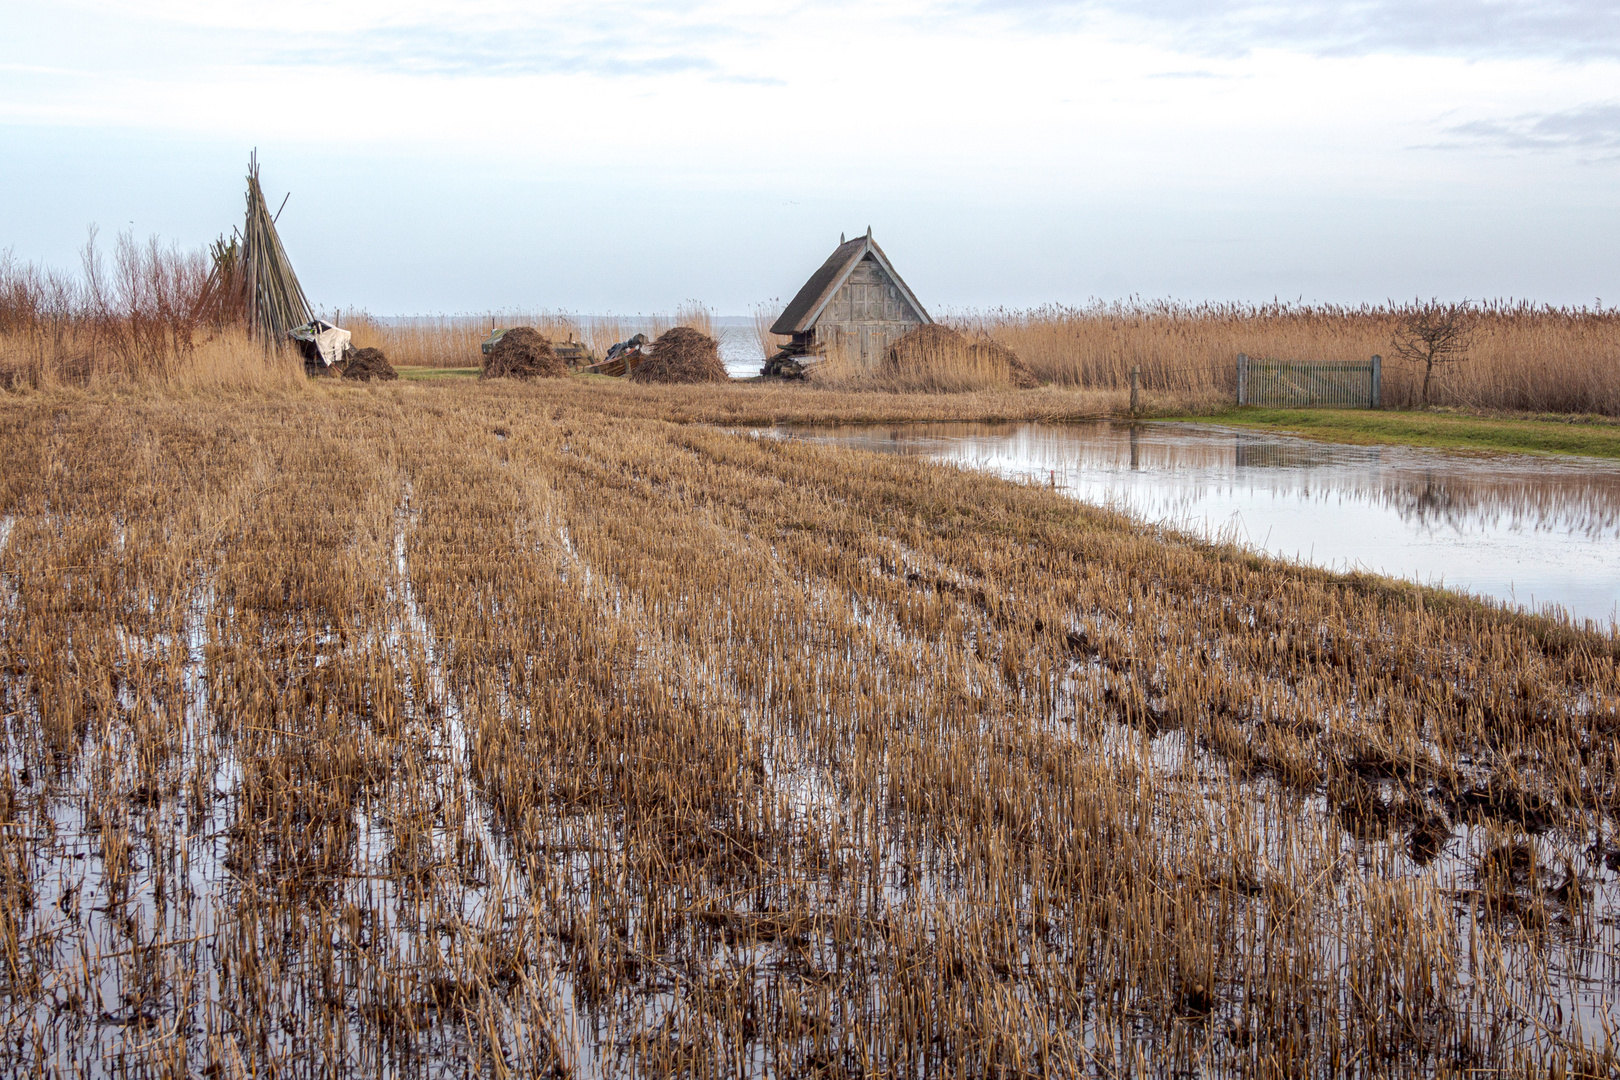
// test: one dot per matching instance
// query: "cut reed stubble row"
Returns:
(794, 760)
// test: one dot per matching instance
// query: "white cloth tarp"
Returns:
(330, 342)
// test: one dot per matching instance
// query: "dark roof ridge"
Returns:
(801, 314)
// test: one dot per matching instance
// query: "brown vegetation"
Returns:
(936, 356)
(448, 341)
(399, 731)
(1433, 335)
(930, 359)
(764, 317)
(682, 355)
(368, 365)
(523, 353)
(1521, 357)
(151, 316)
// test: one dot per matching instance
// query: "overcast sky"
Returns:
(627, 156)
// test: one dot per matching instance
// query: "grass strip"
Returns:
(417, 374)
(1586, 436)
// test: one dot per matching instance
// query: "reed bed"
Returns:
(933, 359)
(446, 341)
(443, 341)
(1521, 356)
(414, 731)
(150, 315)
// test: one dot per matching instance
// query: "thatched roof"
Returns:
(807, 306)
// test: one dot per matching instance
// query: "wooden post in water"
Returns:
(1136, 387)
(1377, 378)
(1243, 378)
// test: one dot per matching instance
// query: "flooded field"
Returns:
(479, 731)
(1526, 530)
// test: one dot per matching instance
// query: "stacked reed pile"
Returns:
(929, 359)
(937, 356)
(523, 353)
(450, 341)
(368, 365)
(682, 355)
(415, 740)
(443, 341)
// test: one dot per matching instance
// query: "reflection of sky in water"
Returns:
(1531, 530)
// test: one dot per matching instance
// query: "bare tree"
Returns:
(1434, 334)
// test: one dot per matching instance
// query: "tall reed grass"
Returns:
(1521, 356)
(447, 341)
(765, 316)
(145, 316)
(946, 364)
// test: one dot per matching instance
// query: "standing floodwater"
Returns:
(1530, 530)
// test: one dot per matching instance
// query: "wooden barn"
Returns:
(856, 301)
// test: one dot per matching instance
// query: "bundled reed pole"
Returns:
(274, 300)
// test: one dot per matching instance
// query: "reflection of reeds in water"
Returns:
(514, 731)
(1460, 492)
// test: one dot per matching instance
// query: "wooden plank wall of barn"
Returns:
(866, 314)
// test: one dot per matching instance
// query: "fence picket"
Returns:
(1334, 384)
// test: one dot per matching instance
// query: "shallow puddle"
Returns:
(1531, 531)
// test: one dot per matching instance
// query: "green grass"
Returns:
(1589, 436)
(438, 372)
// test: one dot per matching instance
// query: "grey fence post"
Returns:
(1377, 379)
(1136, 386)
(1243, 378)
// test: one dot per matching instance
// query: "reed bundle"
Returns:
(273, 300)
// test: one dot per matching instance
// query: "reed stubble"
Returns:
(409, 730)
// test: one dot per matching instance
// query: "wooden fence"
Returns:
(1299, 383)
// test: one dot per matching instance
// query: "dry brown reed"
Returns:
(1522, 356)
(449, 341)
(367, 365)
(146, 317)
(398, 730)
(523, 353)
(682, 355)
(693, 314)
(933, 359)
(765, 316)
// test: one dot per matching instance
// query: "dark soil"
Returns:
(523, 353)
(682, 355)
(367, 365)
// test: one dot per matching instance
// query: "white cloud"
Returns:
(1566, 29)
(641, 121)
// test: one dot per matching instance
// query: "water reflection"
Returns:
(1532, 531)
